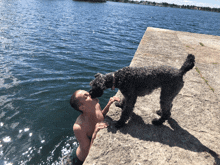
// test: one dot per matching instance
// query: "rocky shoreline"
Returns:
(164, 4)
(92, 0)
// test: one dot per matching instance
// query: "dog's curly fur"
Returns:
(134, 82)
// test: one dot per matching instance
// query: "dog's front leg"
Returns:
(126, 112)
(120, 104)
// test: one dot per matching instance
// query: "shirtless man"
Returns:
(89, 122)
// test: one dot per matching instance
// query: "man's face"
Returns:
(85, 99)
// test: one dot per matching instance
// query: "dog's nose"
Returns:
(93, 97)
(91, 94)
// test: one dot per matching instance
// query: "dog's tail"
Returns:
(188, 64)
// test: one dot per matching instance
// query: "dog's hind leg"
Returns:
(126, 112)
(168, 93)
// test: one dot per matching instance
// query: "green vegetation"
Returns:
(201, 44)
(164, 4)
(190, 47)
(206, 81)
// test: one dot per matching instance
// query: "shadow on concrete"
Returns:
(174, 136)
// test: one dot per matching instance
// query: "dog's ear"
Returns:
(97, 75)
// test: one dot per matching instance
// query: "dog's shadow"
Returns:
(174, 136)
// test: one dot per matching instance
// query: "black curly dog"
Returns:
(133, 82)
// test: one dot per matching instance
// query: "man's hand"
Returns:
(98, 126)
(111, 100)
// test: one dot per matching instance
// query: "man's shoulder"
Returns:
(79, 120)
(77, 127)
(79, 131)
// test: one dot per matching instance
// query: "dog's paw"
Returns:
(157, 122)
(159, 112)
(119, 124)
(119, 104)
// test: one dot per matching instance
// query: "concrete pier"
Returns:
(192, 135)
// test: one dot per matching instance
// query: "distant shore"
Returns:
(91, 0)
(164, 4)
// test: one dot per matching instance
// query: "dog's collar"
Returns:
(113, 81)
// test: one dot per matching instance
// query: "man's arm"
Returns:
(98, 126)
(84, 142)
(111, 100)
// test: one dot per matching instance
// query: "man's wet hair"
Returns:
(74, 102)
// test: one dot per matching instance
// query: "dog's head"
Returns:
(98, 85)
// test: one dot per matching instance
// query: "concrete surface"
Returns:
(192, 135)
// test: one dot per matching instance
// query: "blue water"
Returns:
(50, 48)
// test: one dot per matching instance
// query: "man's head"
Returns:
(74, 101)
(81, 101)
